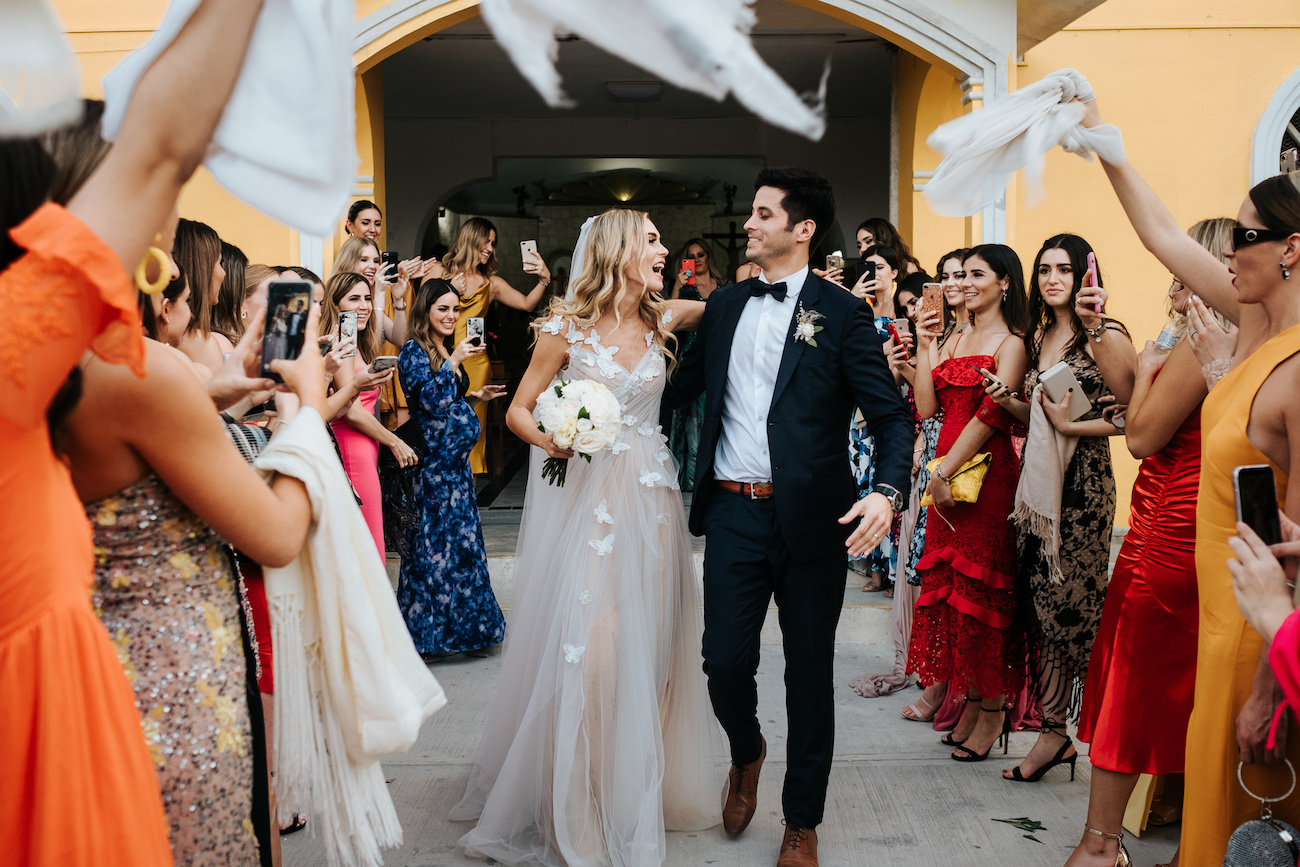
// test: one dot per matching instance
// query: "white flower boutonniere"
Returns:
(806, 326)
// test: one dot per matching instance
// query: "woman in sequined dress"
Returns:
(161, 497)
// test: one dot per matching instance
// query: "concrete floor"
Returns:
(895, 796)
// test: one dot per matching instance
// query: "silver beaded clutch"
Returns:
(1263, 843)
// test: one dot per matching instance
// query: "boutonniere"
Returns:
(806, 326)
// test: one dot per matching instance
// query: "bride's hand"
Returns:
(552, 450)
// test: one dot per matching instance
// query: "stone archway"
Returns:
(1267, 138)
(979, 66)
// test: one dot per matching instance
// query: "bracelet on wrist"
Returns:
(1094, 334)
(938, 471)
(399, 307)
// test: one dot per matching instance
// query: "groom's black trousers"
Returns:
(746, 561)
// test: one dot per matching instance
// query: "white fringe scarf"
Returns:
(350, 687)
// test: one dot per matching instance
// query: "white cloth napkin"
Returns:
(982, 150)
(350, 687)
(286, 144)
(40, 81)
(698, 45)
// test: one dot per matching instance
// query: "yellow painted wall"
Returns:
(1186, 81)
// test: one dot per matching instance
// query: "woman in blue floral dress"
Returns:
(443, 590)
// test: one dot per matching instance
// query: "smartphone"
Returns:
(383, 362)
(285, 332)
(931, 301)
(474, 329)
(1255, 490)
(1096, 278)
(867, 271)
(348, 329)
(835, 260)
(389, 257)
(1057, 380)
(896, 329)
(526, 247)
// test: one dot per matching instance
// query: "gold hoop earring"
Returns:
(164, 269)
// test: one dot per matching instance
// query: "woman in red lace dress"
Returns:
(967, 571)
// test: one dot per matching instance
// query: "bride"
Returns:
(600, 735)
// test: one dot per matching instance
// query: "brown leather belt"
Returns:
(745, 489)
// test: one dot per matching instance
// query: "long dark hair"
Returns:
(681, 254)
(145, 302)
(198, 250)
(463, 255)
(883, 232)
(1277, 201)
(421, 330)
(230, 300)
(1006, 265)
(1042, 316)
(369, 339)
(26, 173)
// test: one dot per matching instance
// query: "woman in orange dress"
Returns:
(77, 786)
(1251, 417)
(471, 267)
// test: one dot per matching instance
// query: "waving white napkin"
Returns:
(40, 81)
(350, 687)
(286, 144)
(698, 45)
(982, 150)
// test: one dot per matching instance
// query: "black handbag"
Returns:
(1266, 841)
(413, 435)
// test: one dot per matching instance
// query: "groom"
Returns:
(783, 359)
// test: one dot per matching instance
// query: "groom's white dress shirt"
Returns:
(756, 350)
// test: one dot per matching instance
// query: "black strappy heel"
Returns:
(1059, 759)
(947, 740)
(1003, 738)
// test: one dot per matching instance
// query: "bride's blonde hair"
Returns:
(615, 244)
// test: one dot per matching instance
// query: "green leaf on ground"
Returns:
(1024, 823)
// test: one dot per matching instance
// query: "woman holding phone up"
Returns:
(471, 265)
(964, 614)
(444, 590)
(1062, 585)
(359, 433)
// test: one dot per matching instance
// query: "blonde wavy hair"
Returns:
(616, 244)
(463, 257)
(349, 256)
(1212, 234)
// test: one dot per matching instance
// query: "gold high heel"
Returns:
(1122, 859)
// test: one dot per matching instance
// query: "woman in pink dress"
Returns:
(358, 432)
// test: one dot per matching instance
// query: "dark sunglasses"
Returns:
(1244, 237)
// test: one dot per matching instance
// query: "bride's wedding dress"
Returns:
(600, 735)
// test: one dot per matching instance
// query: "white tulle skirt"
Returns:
(600, 735)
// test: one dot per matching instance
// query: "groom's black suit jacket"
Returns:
(816, 390)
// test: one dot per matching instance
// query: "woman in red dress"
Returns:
(967, 571)
(1138, 694)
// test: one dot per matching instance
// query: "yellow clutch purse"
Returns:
(965, 484)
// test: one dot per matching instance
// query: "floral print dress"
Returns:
(443, 588)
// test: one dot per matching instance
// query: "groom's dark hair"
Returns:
(808, 196)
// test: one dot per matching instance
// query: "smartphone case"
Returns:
(1057, 380)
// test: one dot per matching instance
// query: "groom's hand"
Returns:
(877, 515)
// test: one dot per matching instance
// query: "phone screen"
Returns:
(1255, 490)
(287, 305)
(348, 329)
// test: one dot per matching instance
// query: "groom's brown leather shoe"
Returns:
(799, 848)
(742, 794)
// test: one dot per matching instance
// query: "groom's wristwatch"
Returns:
(894, 496)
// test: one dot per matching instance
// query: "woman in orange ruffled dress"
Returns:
(78, 786)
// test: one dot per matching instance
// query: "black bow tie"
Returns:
(758, 289)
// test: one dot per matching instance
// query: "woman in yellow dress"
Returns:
(471, 266)
(1252, 417)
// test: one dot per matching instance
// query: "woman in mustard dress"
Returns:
(1251, 417)
(471, 267)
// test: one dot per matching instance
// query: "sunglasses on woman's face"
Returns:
(1244, 237)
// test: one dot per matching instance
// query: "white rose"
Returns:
(804, 331)
(570, 405)
(564, 434)
(584, 425)
(599, 412)
(550, 417)
(590, 442)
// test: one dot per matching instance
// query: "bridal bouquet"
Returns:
(581, 415)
